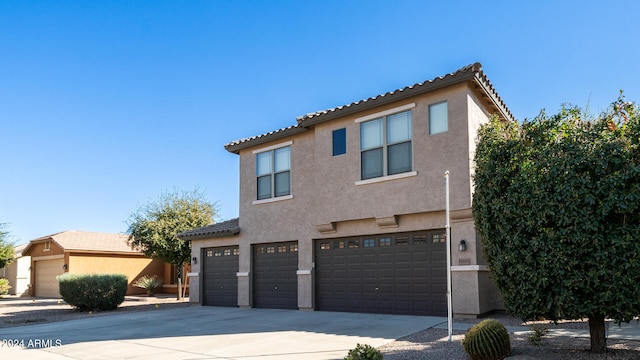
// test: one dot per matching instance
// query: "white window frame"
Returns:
(384, 114)
(273, 198)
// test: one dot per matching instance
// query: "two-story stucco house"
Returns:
(345, 210)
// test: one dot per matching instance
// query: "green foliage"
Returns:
(89, 292)
(557, 205)
(6, 249)
(488, 340)
(154, 227)
(149, 283)
(538, 332)
(4, 286)
(364, 352)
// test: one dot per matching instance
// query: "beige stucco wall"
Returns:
(133, 266)
(19, 274)
(327, 195)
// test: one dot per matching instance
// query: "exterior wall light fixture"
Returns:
(194, 260)
(463, 245)
(65, 267)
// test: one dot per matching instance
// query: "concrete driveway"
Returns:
(200, 332)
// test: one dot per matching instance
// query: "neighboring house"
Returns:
(18, 272)
(82, 252)
(345, 211)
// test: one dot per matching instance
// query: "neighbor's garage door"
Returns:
(275, 282)
(220, 284)
(45, 280)
(390, 274)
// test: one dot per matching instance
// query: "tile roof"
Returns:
(260, 139)
(86, 241)
(225, 228)
(471, 72)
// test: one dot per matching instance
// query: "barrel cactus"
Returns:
(488, 340)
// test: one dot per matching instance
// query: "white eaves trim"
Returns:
(386, 112)
(276, 146)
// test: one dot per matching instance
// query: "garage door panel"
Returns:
(275, 282)
(46, 282)
(402, 273)
(220, 284)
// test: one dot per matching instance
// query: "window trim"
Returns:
(387, 178)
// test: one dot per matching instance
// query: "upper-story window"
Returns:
(438, 118)
(273, 171)
(339, 139)
(385, 145)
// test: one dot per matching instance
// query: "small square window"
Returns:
(438, 118)
(402, 241)
(325, 246)
(217, 252)
(369, 243)
(385, 241)
(282, 248)
(419, 240)
(236, 252)
(339, 142)
(439, 238)
(293, 248)
(209, 253)
(260, 249)
(271, 249)
(354, 244)
(227, 252)
(338, 244)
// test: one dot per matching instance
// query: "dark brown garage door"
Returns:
(220, 284)
(388, 274)
(275, 282)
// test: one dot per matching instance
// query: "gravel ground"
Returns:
(426, 344)
(434, 344)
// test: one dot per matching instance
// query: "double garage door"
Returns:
(388, 274)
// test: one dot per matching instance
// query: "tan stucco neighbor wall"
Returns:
(328, 199)
(133, 267)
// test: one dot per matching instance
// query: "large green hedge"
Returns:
(557, 205)
(90, 292)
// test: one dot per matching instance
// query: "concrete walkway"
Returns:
(199, 332)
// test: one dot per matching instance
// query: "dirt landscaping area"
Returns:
(15, 311)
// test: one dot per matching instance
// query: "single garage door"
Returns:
(46, 273)
(388, 274)
(275, 282)
(220, 284)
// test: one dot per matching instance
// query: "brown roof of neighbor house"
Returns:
(86, 241)
(225, 228)
(471, 73)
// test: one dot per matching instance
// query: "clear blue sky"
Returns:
(106, 104)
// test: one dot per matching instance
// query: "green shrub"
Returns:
(364, 352)
(90, 292)
(4, 286)
(488, 340)
(149, 283)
